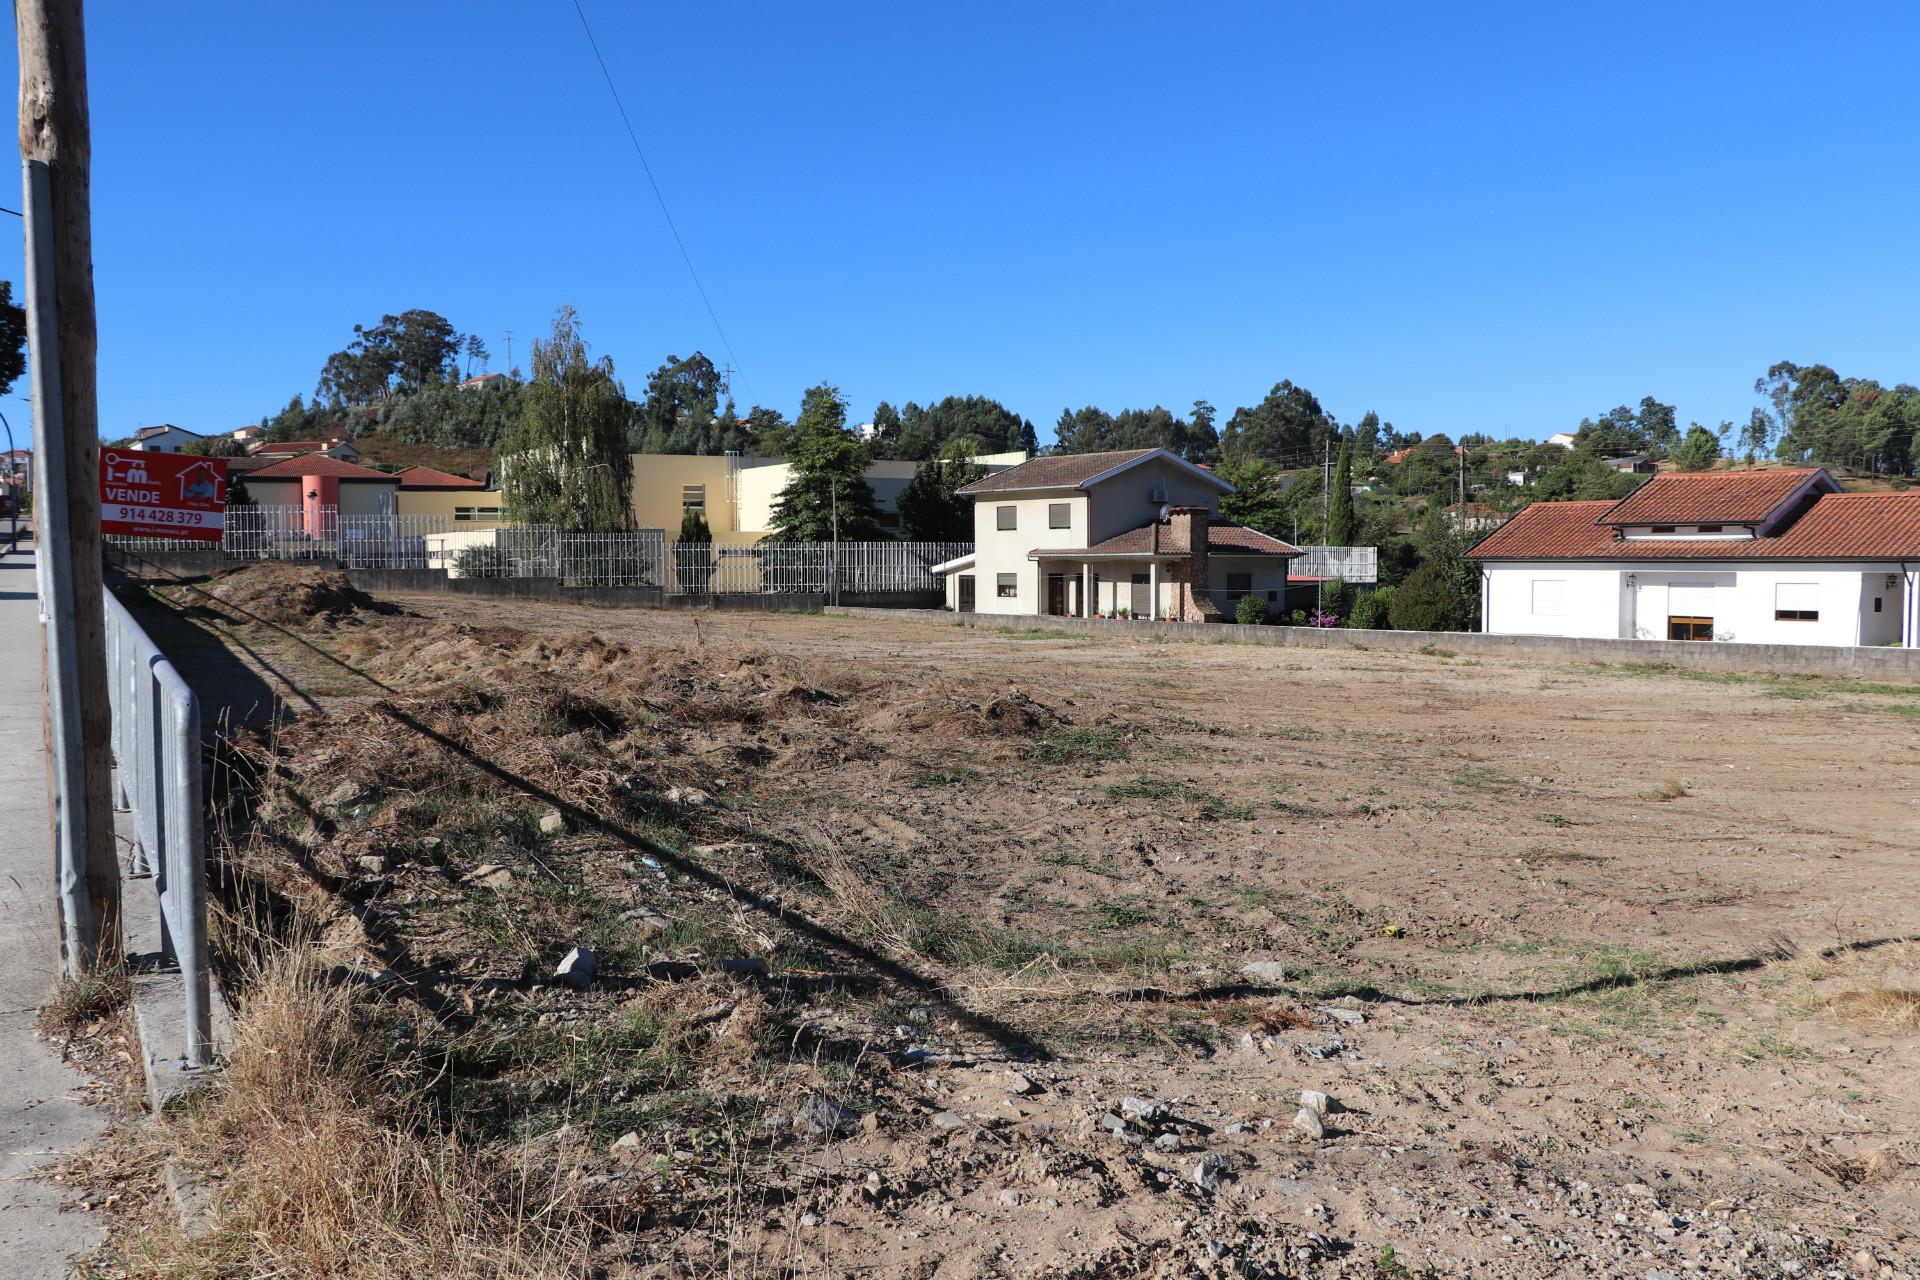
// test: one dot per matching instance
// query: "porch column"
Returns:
(1086, 588)
(1153, 590)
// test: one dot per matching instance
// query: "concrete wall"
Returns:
(1901, 665)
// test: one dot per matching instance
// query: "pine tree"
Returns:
(1341, 526)
(829, 489)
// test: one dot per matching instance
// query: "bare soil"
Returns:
(1607, 970)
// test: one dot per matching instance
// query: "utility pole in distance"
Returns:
(55, 152)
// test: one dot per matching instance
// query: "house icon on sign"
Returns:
(201, 480)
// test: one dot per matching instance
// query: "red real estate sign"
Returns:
(162, 495)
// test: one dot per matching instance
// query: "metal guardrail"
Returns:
(156, 746)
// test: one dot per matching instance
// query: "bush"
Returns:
(1250, 611)
(1428, 601)
(480, 562)
(1336, 596)
(1370, 611)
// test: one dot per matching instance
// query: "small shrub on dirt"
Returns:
(1251, 611)
(1671, 789)
(1894, 1007)
(1078, 746)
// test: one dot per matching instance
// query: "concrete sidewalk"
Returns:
(41, 1109)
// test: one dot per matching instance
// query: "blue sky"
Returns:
(1478, 217)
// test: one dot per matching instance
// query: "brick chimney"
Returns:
(1188, 525)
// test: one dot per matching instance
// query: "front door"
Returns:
(1689, 628)
(1142, 599)
(1057, 595)
(966, 593)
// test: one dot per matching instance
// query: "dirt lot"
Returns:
(1606, 971)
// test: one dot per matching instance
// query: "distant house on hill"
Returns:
(482, 381)
(1779, 556)
(338, 449)
(165, 438)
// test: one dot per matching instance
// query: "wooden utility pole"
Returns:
(55, 151)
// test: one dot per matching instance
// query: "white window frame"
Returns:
(1005, 518)
(693, 497)
(1796, 602)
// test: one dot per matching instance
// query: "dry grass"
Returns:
(1863, 1170)
(1671, 789)
(78, 1002)
(324, 1162)
(1894, 1007)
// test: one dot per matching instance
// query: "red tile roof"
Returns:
(1711, 497)
(428, 478)
(1055, 471)
(1169, 540)
(316, 464)
(1837, 526)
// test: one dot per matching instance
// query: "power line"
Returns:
(654, 183)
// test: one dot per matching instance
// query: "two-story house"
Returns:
(1131, 533)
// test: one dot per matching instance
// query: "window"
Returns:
(1665, 528)
(1238, 584)
(693, 497)
(1796, 602)
(1006, 518)
(1876, 604)
(1059, 515)
(463, 513)
(1689, 628)
(1549, 597)
(1006, 585)
(887, 519)
(1708, 528)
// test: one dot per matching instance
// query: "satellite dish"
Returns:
(1166, 512)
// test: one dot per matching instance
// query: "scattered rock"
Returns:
(1206, 1174)
(552, 822)
(1167, 1142)
(949, 1120)
(491, 875)
(646, 922)
(825, 1118)
(1291, 1187)
(1271, 972)
(873, 1188)
(345, 795)
(745, 966)
(1308, 1123)
(1319, 1103)
(1120, 1129)
(576, 970)
(809, 1219)
(687, 797)
(1020, 1086)
(1346, 1017)
(1147, 1110)
(625, 1147)
(1010, 1197)
(373, 864)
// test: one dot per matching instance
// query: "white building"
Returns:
(1092, 534)
(1762, 557)
(163, 439)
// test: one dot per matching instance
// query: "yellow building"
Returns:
(738, 493)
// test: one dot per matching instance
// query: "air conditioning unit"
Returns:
(1158, 495)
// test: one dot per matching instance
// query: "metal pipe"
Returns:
(53, 556)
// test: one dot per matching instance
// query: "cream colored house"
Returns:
(1106, 534)
(738, 493)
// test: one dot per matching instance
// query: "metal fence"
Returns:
(644, 558)
(1350, 564)
(156, 746)
(292, 533)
